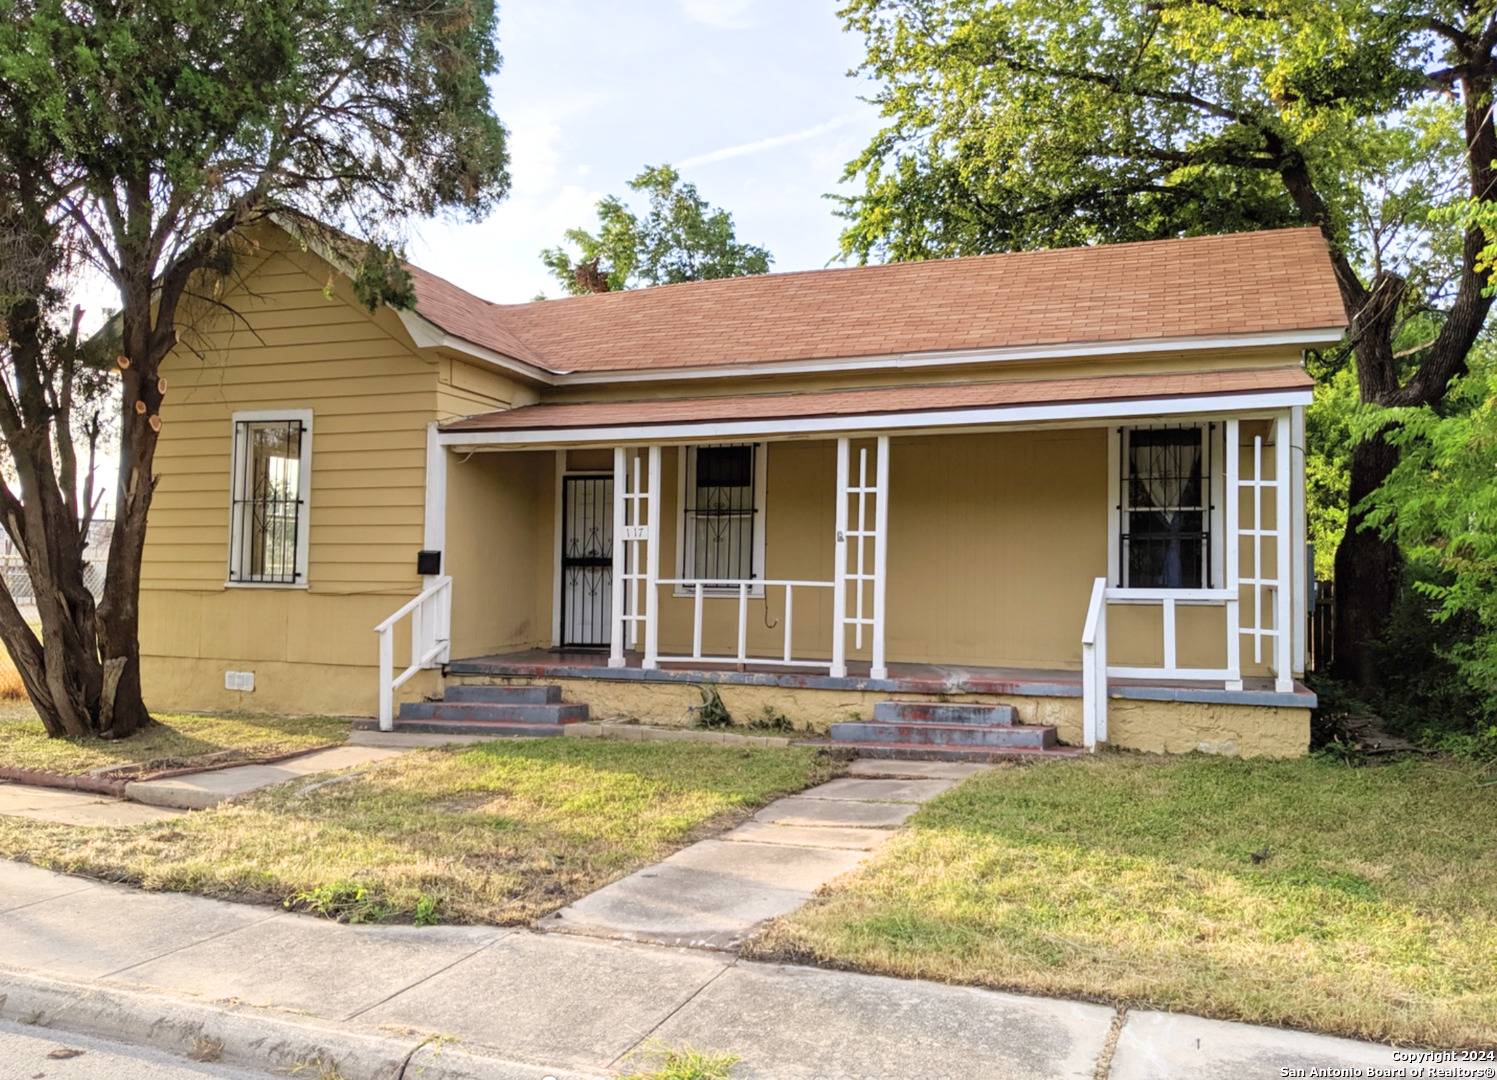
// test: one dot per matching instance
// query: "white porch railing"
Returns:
(431, 630)
(1095, 670)
(1169, 601)
(700, 594)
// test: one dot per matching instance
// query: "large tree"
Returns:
(1042, 122)
(150, 139)
(679, 238)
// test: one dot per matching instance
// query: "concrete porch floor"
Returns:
(929, 679)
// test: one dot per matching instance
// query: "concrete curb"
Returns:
(248, 1037)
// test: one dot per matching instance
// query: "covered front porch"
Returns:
(1096, 554)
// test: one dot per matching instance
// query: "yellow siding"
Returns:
(499, 551)
(371, 396)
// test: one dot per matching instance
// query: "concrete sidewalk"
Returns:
(479, 1002)
(716, 893)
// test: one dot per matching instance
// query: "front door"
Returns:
(586, 560)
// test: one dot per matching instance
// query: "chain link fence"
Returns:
(18, 581)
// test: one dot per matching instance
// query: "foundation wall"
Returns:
(1152, 726)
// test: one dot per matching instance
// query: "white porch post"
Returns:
(616, 630)
(1304, 573)
(839, 567)
(1232, 558)
(880, 555)
(1283, 642)
(434, 538)
(652, 563)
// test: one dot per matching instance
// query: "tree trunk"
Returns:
(1369, 570)
(123, 710)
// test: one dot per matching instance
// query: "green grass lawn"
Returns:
(498, 832)
(1131, 879)
(173, 742)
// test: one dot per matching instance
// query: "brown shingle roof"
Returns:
(884, 400)
(1278, 280)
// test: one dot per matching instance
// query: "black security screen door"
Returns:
(586, 560)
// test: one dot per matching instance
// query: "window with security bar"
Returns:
(722, 518)
(1165, 507)
(268, 526)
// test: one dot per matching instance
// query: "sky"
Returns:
(749, 99)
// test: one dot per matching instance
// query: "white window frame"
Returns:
(686, 539)
(1216, 483)
(238, 458)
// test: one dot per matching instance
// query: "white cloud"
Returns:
(723, 14)
(760, 145)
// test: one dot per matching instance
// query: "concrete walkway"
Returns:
(715, 893)
(279, 990)
(75, 807)
(154, 800)
(199, 791)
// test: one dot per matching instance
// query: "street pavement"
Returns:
(27, 1053)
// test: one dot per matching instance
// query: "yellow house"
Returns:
(1070, 482)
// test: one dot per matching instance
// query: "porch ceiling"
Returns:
(934, 404)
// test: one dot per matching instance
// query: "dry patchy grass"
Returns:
(1131, 879)
(498, 832)
(171, 742)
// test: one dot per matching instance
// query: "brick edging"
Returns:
(94, 784)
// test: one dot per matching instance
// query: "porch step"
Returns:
(942, 712)
(503, 695)
(486, 712)
(997, 736)
(906, 752)
(947, 731)
(488, 729)
(494, 711)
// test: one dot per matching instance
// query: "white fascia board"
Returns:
(881, 423)
(428, 335)
(914, 361)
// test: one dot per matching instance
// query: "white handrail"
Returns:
(1094, 668)
(431, 629)
(739, 589)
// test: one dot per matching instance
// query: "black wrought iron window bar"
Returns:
(269, 497)
(1165, 507)
(720, 515)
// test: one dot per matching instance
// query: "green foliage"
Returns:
(343, 901)
(684, 1062)
(1051, 122)
(711, 713)
(1328, 446)
(1440, 503)
(773, 719)
(153, 140)
(425, 913)
(680, 238)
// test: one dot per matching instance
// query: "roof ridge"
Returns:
(1218, 285)
(1073, 250)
